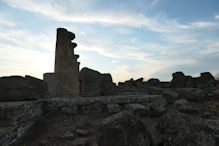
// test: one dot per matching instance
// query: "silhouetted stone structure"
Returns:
(93, 83)
(64, 82)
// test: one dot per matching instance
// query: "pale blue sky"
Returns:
(127, 38)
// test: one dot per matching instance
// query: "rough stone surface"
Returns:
(158, 107)
(180, 102)
(96, 107)
(187, 107)
(130, 85)
(193, 94)
(16, 118)
(87, 104)
(170, 95)
(17, 113)
(210, 110)
(113, 108)
(211, 127)
(93, 83)
(123, 129)
(180, 80)
(40, 87)
(64, 82)
(153, 83)
(154, 90)
(216, 93)
(206, 80)
(16, 88)
(138, 109)
(7, 135)
(177, 129)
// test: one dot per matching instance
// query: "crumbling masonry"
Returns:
(64, 81)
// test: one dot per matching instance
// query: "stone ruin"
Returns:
(67, 80)
(182, 112)
(64, 81)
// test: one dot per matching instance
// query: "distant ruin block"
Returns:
(64, 81)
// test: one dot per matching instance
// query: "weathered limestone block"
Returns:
(193, 94)
(205, 77)
(154, 90)
(113, 108)
(184, 106)
(17, 113)
(131, 84)
(153, 83)
(75, 105)
(7, 135)
(53, 83)
(211, 127)
(158, 107)
(16, 88)
(93, 83)
(210, 110)
(16, 118)
(206, 80)
(96, 107)
(138, 109)
(40, 87)
(64, 81)
(170, 95)
(177, 129)
(180, 80)
(123, 129)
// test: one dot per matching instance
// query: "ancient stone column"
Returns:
(64, 81)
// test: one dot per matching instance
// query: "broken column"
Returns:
(64, 81)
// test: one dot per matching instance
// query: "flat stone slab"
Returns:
(95, 104)
(117, 99)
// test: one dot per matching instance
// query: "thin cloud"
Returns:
(60, 12)
(6, 22)
(181, 44)
(205, 24)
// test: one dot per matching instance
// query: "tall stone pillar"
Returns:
(64, 80)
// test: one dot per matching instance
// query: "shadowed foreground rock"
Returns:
(16, 118)
(123, 129)
(178, 129)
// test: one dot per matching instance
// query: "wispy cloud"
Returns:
(205, 24)
(179, 45)
(64, 11)
(6, 22)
